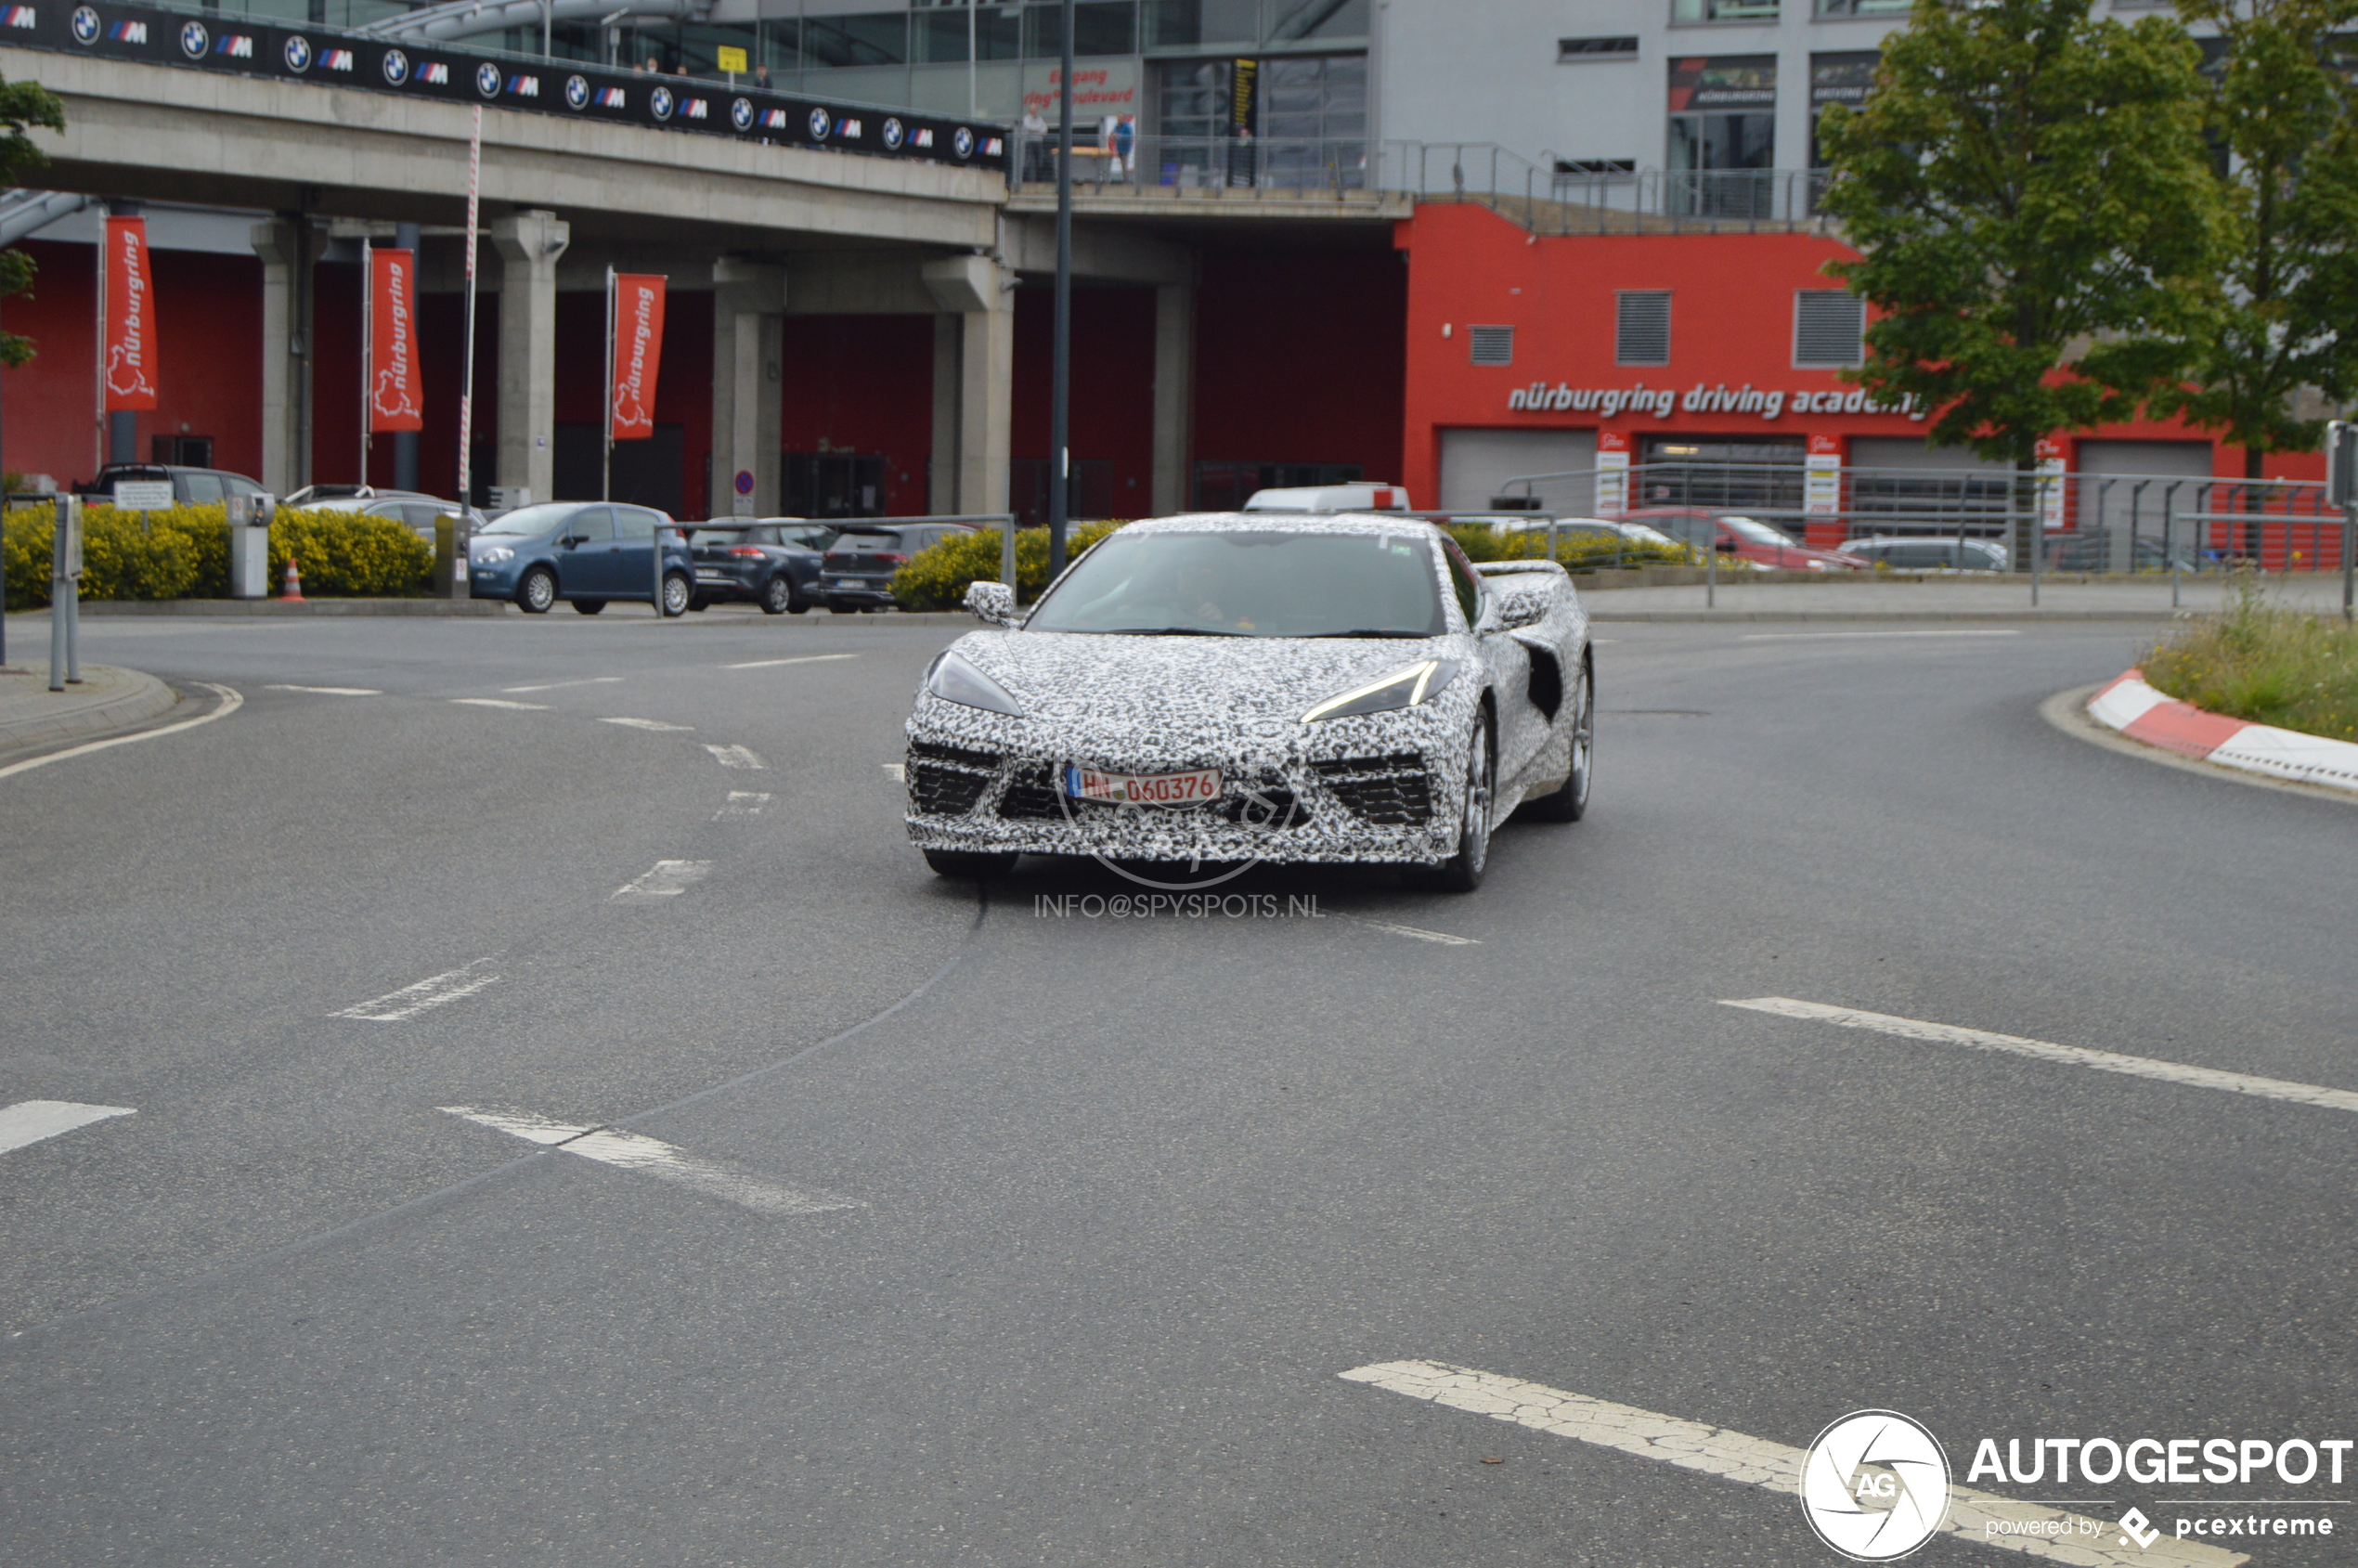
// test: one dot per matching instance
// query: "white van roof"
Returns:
(1331, 498)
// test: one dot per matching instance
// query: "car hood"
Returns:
(1185, 682)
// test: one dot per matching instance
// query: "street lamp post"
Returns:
(1060, 392)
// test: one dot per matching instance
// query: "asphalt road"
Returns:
(995, 1236)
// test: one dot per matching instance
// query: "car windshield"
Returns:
(870, 544)
(1638, 532)
(530, 519)
(1250, 583)
(1758, 532)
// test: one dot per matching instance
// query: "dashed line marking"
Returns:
(742, 803)
(330, 691)
(500, 702)
(1980, 1517)
(432, 991)
(1816, 636)
(30, 1122)
(560, 685)
(773, 664)
(651, 1157)
(646, 724)
(2073, 1056)
(898, 770)
(665, 880)
(1417, 931)
(736, 757)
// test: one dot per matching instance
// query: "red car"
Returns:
(1747, 539)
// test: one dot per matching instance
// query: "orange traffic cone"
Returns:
(292, 592)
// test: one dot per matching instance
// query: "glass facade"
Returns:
(1843, 79)
(1730, 10)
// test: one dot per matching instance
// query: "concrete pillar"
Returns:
(529, 245)
(1174, 395)
(942, 471)
(748, 324)
(284, 245)
(980, 291)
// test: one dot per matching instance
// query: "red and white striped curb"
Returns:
(2138, 711)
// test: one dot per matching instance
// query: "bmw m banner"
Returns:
(393, 342)
(127, 335)
(635, 315)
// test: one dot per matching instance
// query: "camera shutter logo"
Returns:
(1876, 1485)
(194, 40)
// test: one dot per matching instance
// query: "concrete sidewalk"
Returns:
(1958, 598)
(109, 699)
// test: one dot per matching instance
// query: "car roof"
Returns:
(1364, 523)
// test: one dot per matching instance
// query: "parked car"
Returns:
(1586, 535)
(1331, 498)
(191, 487)
(774, 562)
(1747, 539)
(858, 568)
(587, 552)
(421, 512)
(2091, 551)
(1902, 553)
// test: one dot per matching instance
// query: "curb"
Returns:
(300, 607)
(2136, 710)
(148, 698)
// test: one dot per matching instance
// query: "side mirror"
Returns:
(993, 602)
(1492, 617)
(1725, 547)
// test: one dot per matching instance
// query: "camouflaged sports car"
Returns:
(1222, 689)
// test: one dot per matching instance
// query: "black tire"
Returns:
(589, 606)
(778, 596)
(537, 591)
(1461, 873)
(700, 604)
(1570, 803)
(677, 592)
(970, 865)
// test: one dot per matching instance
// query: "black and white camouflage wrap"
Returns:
(1384, 787)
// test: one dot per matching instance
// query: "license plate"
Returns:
(1144, 789)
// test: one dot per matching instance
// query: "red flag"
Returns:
(637, 354)
(127, 342)
(393, 352)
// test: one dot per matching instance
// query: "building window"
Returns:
(1642, 326)
(1588, 167)
(1099, 27)
(1730, 10)
(865, 38)
(1829, 328)
(1837, 79)
(1864, 8)
(1491, 345)
(1570, 49)
(1188, 24)
(1300, 21)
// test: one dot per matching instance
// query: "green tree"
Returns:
(2282, 314)
(23, 105)
(2034, 207)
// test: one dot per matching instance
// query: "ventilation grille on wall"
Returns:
(1621, 48)
(1491, 345)
(1642, 326)
(1828, 327)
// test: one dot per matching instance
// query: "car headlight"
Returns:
(954, 680)
(496, 554)
(1421, 682)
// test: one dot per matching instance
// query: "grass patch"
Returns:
(2260, 661)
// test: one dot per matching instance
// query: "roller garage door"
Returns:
(1475, 463)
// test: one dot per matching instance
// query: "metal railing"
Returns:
(1545, 198)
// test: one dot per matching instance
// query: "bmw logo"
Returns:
(85, 25)
(487, 79)
(396, 67)
(892, 135)
(817, 124)
(298, 53)
(741, 114)
(577, 92)
(193, 40)
(963, 143)
(659, 103)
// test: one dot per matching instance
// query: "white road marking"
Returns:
(898, 770)
(558, 685)
(646, 724)
(1809, 636)
(231, 701)
(1417, 931)
(1756, 1462)
(667, 879)
(432, 991)
(29, 1121)
(502, 702)
(736, 757)
(636, 1151)
(742, 803)
(2074, 1056)
(330, 691)
(773, 664)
